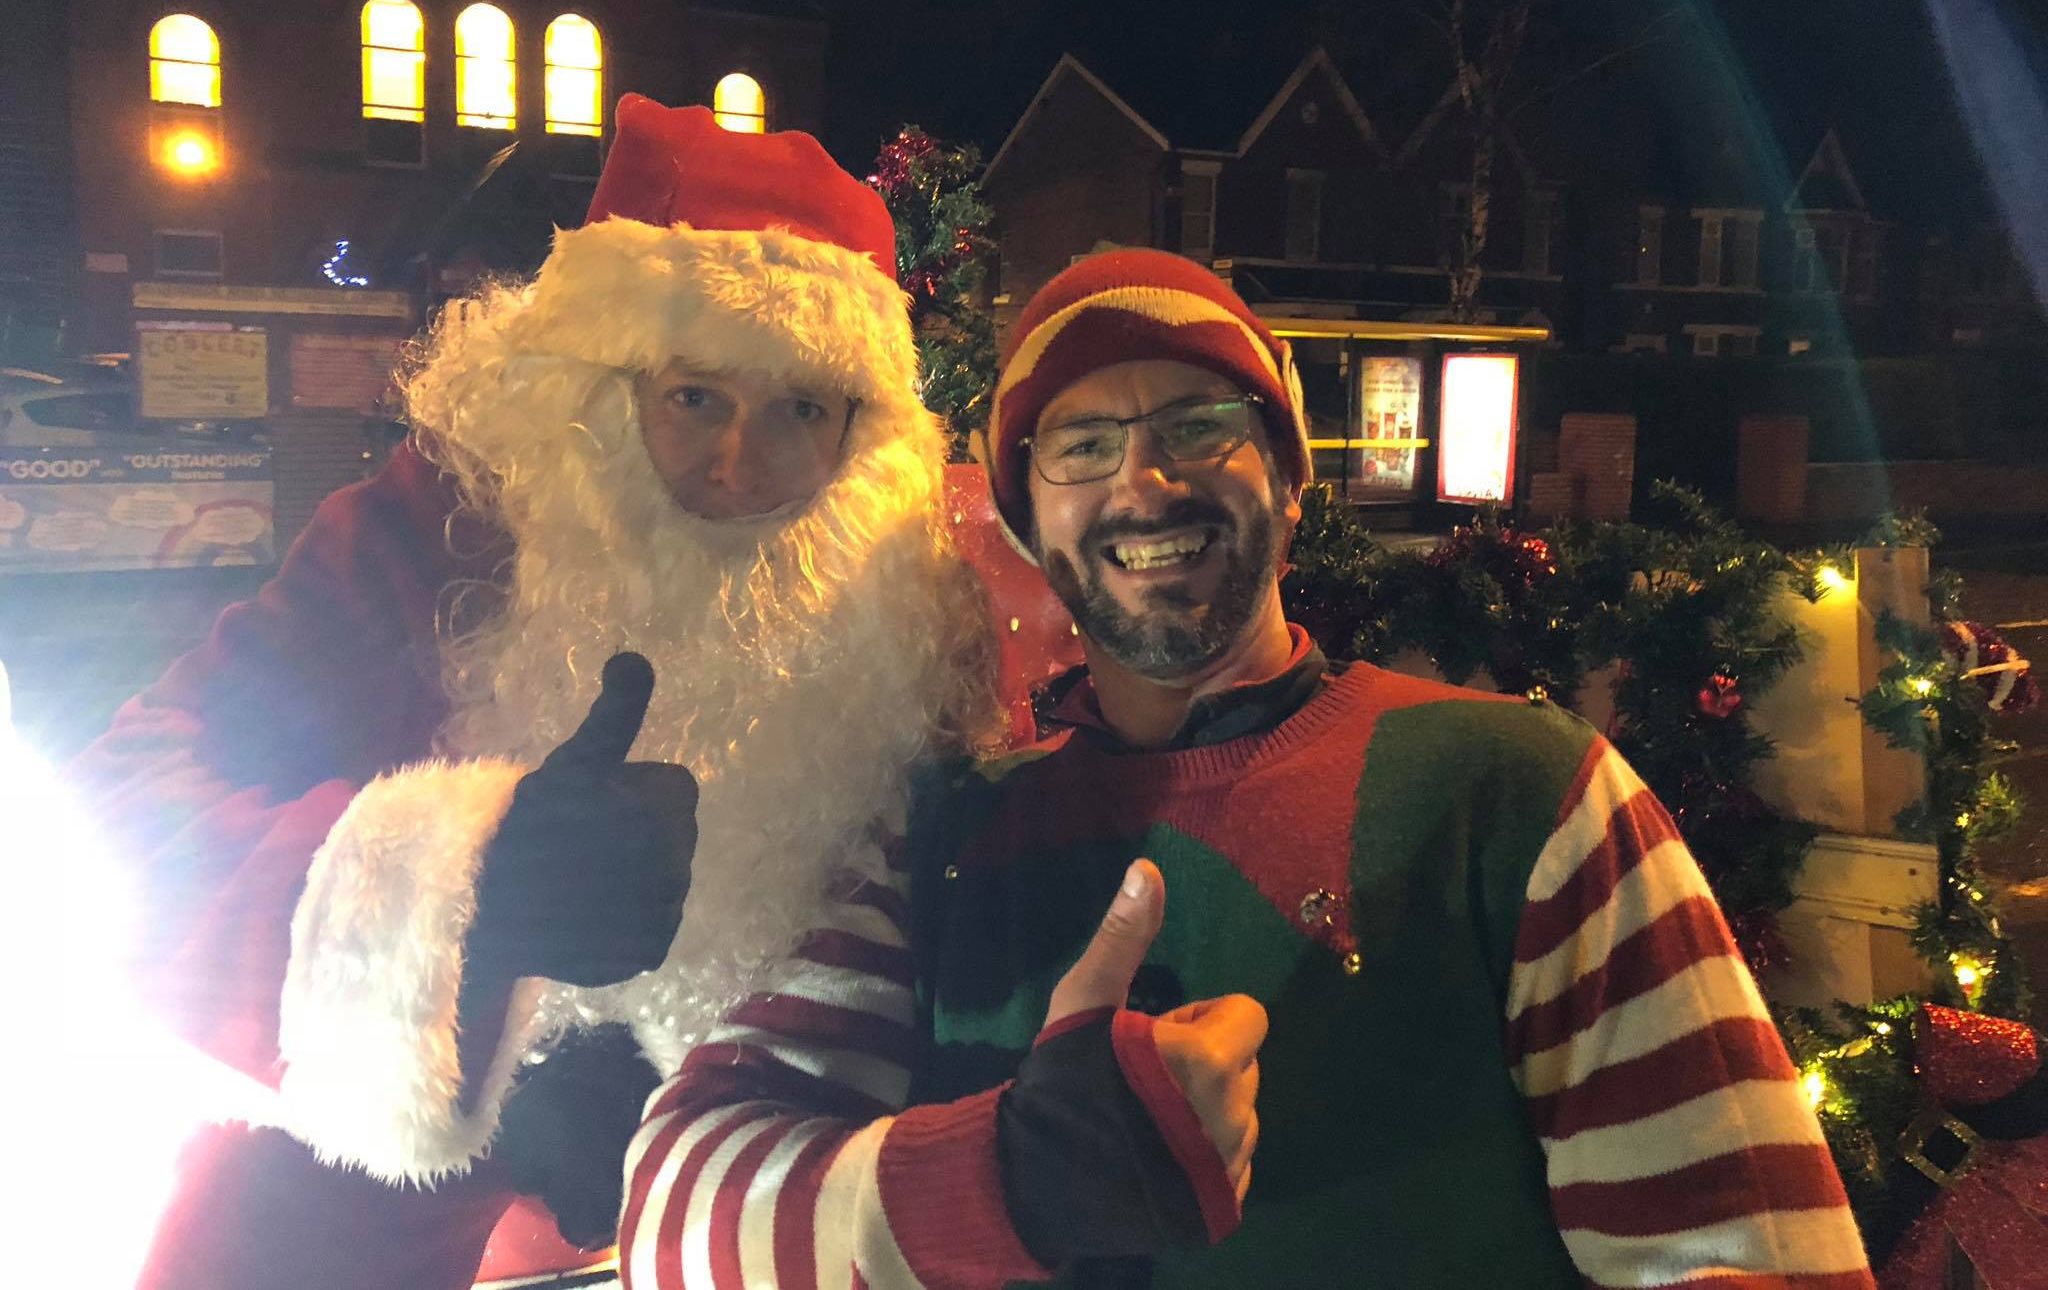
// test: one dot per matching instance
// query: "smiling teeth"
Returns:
(1151, 555)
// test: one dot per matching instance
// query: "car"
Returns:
(41, 409)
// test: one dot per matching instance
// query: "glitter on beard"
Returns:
(1176, 634)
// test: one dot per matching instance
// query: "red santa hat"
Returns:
(1120, 307)
(735, 251)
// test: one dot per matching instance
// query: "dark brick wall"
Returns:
(1079, 173)
(36, 250)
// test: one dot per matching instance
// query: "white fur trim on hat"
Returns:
(368, 1018)
(630, 295)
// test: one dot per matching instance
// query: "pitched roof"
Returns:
(1827, 183)
(1318, 59)
(1190, 106)
(1070, 67)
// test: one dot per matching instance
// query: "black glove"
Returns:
(1086, 1173)
(584, 882)
(563, 1134)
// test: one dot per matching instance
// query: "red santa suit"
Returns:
(306, 805)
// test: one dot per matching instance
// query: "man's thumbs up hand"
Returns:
(1210, 1046)
(584, 882)
(1101, 977)
(1103, 1133)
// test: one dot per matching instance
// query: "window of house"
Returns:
(1797, 345)
(1304, 214)
(1739, 260)
(486, 75)
(1728, 248)
(1715, 341)
(740, 105)
(1863, 265)
(188, 253)
(1710, 250)
(1539, 229)
(394, 61)
(574, 83)
(1198, 210)
(1805, 260)
(184, 62)
(1643, 342)
(1649, 256)
(1820, 259)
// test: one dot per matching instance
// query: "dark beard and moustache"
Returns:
(1177, 634)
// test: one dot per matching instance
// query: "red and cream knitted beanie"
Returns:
(1121, 307)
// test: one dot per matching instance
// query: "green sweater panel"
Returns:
(1393, 1149)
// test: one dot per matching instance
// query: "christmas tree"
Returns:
(933, 193)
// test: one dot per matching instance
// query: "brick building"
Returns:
(267, 200)
(35, 183)
(241, 142)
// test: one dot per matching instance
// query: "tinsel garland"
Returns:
(933, 193)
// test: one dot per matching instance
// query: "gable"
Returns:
(1314, 109)
(1827, 183)
(1071, 92)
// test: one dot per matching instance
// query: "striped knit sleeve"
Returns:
(1680, 1149)
(780, 1154)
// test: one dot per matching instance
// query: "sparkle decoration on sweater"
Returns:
(1319, 908)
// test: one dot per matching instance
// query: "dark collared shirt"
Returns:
(1241, 710)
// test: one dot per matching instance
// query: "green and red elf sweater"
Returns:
(1511, 1043)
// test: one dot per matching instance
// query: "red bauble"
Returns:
(1719, 697)
(2008, 688)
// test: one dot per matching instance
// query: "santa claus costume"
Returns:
(306, 796)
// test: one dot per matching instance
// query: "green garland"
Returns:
(1685, 606)
(933, 193)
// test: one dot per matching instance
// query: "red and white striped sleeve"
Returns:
(780, 1154)
(1680, 1148)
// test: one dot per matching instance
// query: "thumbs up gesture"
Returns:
(1126, 1134)
(584, 882)
(1210, 1046)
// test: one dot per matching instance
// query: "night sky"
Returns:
(966, 69)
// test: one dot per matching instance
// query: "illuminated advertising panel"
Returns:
(1476, 429)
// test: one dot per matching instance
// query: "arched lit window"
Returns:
(184, 61)
(740, 105)
(575, 76)
(486, 79)
(394, 61)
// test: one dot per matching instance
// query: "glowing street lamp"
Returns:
(189, 153)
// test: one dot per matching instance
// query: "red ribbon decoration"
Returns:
(1996, 1210)
(1719, 697)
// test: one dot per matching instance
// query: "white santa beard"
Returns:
(799, 671)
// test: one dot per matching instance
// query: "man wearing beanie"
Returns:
(1445, 1001)
(417, 822)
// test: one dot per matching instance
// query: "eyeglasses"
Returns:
(1082, 452)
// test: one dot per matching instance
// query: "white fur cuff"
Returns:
(368, 1020)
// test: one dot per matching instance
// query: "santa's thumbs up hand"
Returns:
(584, 882)
(613, 723)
